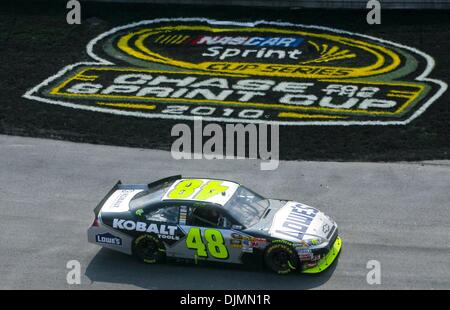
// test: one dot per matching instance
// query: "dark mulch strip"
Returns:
(36, 42)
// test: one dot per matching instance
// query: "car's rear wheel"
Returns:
(281, 258)
(149, 249)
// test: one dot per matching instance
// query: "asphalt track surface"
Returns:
(396, 213)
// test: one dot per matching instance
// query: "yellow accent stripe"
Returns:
(85, 80)
(300, 115)
(399, 96)
(401, 91)
(128, 105)
(183, 39)
(78, 76)
(315, 45)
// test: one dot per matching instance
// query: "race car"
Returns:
(201, 219)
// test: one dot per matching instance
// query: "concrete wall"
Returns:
(356, 4)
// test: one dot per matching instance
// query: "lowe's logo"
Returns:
(108, 238)
(297, 221)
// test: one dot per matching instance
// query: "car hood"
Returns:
(295, 222)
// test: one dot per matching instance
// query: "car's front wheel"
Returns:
(281, 258)
(149, 249)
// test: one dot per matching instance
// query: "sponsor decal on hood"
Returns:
(296, 221)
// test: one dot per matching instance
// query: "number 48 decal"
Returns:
(214, 243)
(185, 189)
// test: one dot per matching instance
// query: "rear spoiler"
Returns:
(111, 191)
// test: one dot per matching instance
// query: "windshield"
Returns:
(246, 206)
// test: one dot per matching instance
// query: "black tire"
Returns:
(281, 257)
(148, 249)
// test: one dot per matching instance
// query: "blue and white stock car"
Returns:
(215, 220)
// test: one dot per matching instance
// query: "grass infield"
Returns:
(36, 42)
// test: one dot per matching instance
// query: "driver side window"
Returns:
(207, 217)
(164, 214)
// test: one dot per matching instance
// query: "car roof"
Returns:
(206, 190)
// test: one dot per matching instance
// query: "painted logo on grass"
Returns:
(246, 72)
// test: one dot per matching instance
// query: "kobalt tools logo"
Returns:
(247, 72)
(163, 231)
